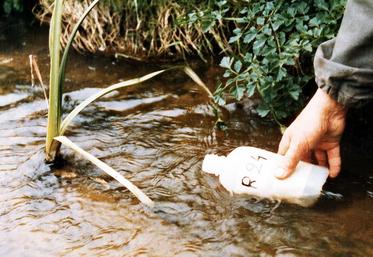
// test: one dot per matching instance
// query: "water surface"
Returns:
(156, 135)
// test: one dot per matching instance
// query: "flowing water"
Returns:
(156, 135)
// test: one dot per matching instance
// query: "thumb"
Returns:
(291, 159)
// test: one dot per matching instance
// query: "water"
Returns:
(156, 135)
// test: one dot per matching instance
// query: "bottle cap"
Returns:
(213, 164)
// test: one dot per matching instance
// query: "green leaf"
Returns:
(314, 22)
(308, 47)
(281, 74)
(192, 18)
(226, 62)
(267, 31)
(221, 3)
(207, 25)
(234, 39)
(237, 31)
(219, 100)
(250, 88)
(260, 21)
(276, 24)
(227, 73)
(55, 93)
(238, 92)
(248, 57)
(262, 110)
(258, 44)
(249, 36)
(294, 93)
(70, 42)
(237, 66)
(322, 5)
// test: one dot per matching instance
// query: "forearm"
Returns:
(344, 65)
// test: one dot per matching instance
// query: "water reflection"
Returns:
(156, 135)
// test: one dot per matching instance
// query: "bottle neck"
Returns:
(214, 164)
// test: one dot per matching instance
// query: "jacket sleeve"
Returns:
(344, 65)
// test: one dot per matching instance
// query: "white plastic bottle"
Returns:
(250, 170)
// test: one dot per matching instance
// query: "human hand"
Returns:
(317, 130)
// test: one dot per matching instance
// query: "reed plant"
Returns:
(56, 127)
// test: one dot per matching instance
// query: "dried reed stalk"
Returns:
(135, 33)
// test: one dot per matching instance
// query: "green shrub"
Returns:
(270, 47)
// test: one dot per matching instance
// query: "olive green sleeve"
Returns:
(344, 65)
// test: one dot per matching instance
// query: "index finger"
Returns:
(292, 157)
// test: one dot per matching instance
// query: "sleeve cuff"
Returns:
(350, 86)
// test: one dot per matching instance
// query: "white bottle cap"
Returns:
(214, 164)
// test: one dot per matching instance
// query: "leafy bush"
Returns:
(270, 47)
(12, 5)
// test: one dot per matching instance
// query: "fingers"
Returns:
(284, 144)
(292, 157)
(321, 157)
(306, 157)
(334, 160)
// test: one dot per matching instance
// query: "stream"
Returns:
(156, 135)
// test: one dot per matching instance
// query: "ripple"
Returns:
(11, 98)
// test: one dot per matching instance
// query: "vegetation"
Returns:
(140, 29)
(265, 47)
(57, 127)
(271, 48)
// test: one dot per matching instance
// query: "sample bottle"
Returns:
(250, 170)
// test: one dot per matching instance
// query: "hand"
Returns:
(317, 130)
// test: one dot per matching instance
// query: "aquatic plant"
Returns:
(56, 127)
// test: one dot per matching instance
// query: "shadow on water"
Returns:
(156, 135)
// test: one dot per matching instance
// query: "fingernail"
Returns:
(279, 172)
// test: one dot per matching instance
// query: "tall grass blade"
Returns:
(66, 122)
(71, 40)
(55, 94)
(199, 82)
(110, 171)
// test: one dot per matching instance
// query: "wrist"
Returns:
(329, 105)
